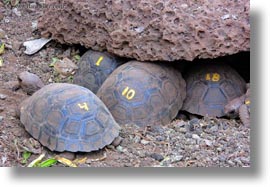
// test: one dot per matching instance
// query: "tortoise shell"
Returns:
(143, 93)
(210, 87)
(93, 69)
(67, 117)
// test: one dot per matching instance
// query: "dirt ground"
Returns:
(207, 142)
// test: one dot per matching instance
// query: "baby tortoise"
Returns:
(94, 68)
(210, 87)
(143, 93)
(68, 117)
(240, 106)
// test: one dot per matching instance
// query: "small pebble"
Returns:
(184, 5)
(16, 45)
(6, 20)
(224, 126)
(240, 136)
(208, 143)
(238, 161)
(1, 118)
(144, 142)
(226, 16)
(234, 17)
(215, 159)
(160, 138)
(188, 135)
(120, 148)
(194, 120)
(34, 25)
(222, 158)
(2, 34)
(177, 158)
(157, 129)
(31, 7)
(128, 165)
(3, 96)
(196, 137)
(136, 139)
(214, 128)
(196, 147)
(141, 154)
(219, 149)
(231, 163)
(157, 156)
(181, 123)
(183, 130)
(245, 160)
(16, 12)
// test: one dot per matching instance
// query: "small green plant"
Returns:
(77, 57)
(26, 155)
(54, 60)
(47, 163)
(2, 47)
(70, 79)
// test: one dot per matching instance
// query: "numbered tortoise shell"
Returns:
(93, 69)
(143, 93)
(67, 117)
(210, 87)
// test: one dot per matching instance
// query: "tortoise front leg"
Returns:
(244, 115)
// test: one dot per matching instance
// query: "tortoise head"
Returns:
(29, 82)
(232, 108)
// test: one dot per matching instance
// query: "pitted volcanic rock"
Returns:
(150, 30)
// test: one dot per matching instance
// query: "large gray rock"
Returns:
(150, 30)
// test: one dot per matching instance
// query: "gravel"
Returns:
(210, 142)
(157, 156)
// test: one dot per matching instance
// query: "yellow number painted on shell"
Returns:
(128, 93)
(208, 77)
(83, 106)
(247, 102)
(215, 77)
(99, 60)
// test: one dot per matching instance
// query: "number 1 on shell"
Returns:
(99, 60)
